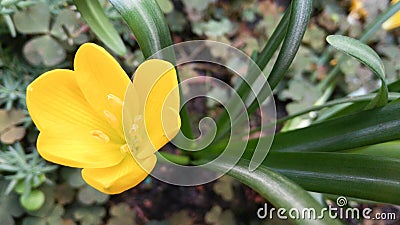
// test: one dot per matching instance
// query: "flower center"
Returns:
(134, 134)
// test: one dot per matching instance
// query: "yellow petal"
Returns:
(101, 79)
(121, 177)
(156, 83)
(78, 147)
(392, 22)
(55, 100)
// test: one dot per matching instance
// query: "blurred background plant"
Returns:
(39, 35)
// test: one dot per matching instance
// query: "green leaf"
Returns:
(10, 25)
(88, 195)
(166, 5)
(216, 216)
(7, 3)
(33, 221)
(298, 22)
(213, 28)
(176, 21)
(33, 20)
(368, 57)
(66, 27)
(33, 201)
(224, 187)
(275, 188)
(302, 155)
(338, 107)
(89, 215)
(44, 50)
(72, 176)
(344, 174)
(54, 216)
(10, 206)
(197, 5)
(121, 214)
(213, 215)
(360, 129)
(181, 217)
(147, 22)
(64, 194)
(388, 149)
(48, 206)
(94, 15)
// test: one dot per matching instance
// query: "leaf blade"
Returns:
(368, 57)
(147, 22)
(94, 15)
(354, 175)
(298, 22)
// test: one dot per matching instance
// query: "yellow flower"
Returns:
(79, 116)
(392, 22)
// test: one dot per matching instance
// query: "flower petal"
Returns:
(55, 100)
(156, 83)
(79, 148)
(101, 79)
(121, 177)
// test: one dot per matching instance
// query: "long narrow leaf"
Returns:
(348, 132)
(97, 20)
(298, 22)
(356, 130)
(368, 57)
(147, 22)
(362, 176)
(356, 106)
(388, 149)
